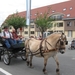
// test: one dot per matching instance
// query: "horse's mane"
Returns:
(55, 33)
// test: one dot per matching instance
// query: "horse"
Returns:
(46, 48)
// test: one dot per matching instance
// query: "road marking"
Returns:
(5, 72)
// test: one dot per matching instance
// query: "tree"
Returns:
(16, 21)
(43, 22)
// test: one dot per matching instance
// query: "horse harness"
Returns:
(46, 50)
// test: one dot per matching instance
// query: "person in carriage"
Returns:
(8, 38)
(16, 37)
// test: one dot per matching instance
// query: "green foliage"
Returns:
(16, 21)
(43, 22)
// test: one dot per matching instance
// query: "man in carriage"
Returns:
(8, 38)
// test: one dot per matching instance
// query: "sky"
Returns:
(8, 7)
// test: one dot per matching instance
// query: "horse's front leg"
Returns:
(31, 57)
(57, 69)
(45, 63)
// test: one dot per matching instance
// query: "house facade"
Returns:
(63, 13)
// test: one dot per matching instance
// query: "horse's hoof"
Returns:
(45, 72)
(58, 73)
(27, 63)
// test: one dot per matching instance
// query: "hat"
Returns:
(5, 27)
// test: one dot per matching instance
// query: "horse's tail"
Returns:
(26, 42)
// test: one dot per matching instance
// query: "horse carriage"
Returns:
(46, 48)
(8, 53)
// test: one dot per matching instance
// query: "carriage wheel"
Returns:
(23, 55)
(0, 54)
(0, 57)
(6, 58)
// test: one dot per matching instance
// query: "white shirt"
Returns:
(7, 34)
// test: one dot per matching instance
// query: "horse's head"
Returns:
(58, 41)
(61, 43)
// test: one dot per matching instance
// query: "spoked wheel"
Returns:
(1, 54)
(0, 57)
(23, 55)
(6, 58)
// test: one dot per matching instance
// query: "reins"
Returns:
(46, 50)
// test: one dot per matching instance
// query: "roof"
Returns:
(67, 8)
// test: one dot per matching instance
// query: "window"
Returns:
(32, 32)
(50, 32)
(57, 17)
(60, 31)
(70, 8)
(68, 15)
(31, 26)
(31, 21)
(59, 24)
(68, 23)
(26, 32)
(69, 33)
(64, 9)
(53, 11)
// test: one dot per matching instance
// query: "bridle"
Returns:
(62, 41)
(53, 49)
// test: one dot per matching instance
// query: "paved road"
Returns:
(19, 67)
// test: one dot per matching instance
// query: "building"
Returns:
(63, 13)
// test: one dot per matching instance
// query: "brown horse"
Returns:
(48, 47)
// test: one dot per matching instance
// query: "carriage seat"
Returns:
(2, 42)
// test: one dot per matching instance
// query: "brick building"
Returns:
(63, 13)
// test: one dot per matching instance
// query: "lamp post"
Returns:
(28, 12)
